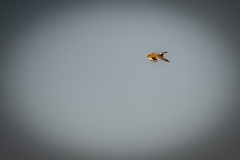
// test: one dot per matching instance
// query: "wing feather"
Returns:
(162, 53)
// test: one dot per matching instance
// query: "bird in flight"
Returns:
(153, 56)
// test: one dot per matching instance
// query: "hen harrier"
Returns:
(153, 56)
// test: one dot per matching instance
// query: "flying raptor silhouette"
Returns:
(153, 56)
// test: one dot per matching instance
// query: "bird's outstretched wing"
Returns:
(165, 59)
(162, 53)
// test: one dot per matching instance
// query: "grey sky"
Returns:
(80, 78)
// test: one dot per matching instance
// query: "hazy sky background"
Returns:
(77, 78)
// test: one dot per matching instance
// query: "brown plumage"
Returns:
(153, 56)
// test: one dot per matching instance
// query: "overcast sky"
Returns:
(79, 80)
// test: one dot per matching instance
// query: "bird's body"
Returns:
(153, 56)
